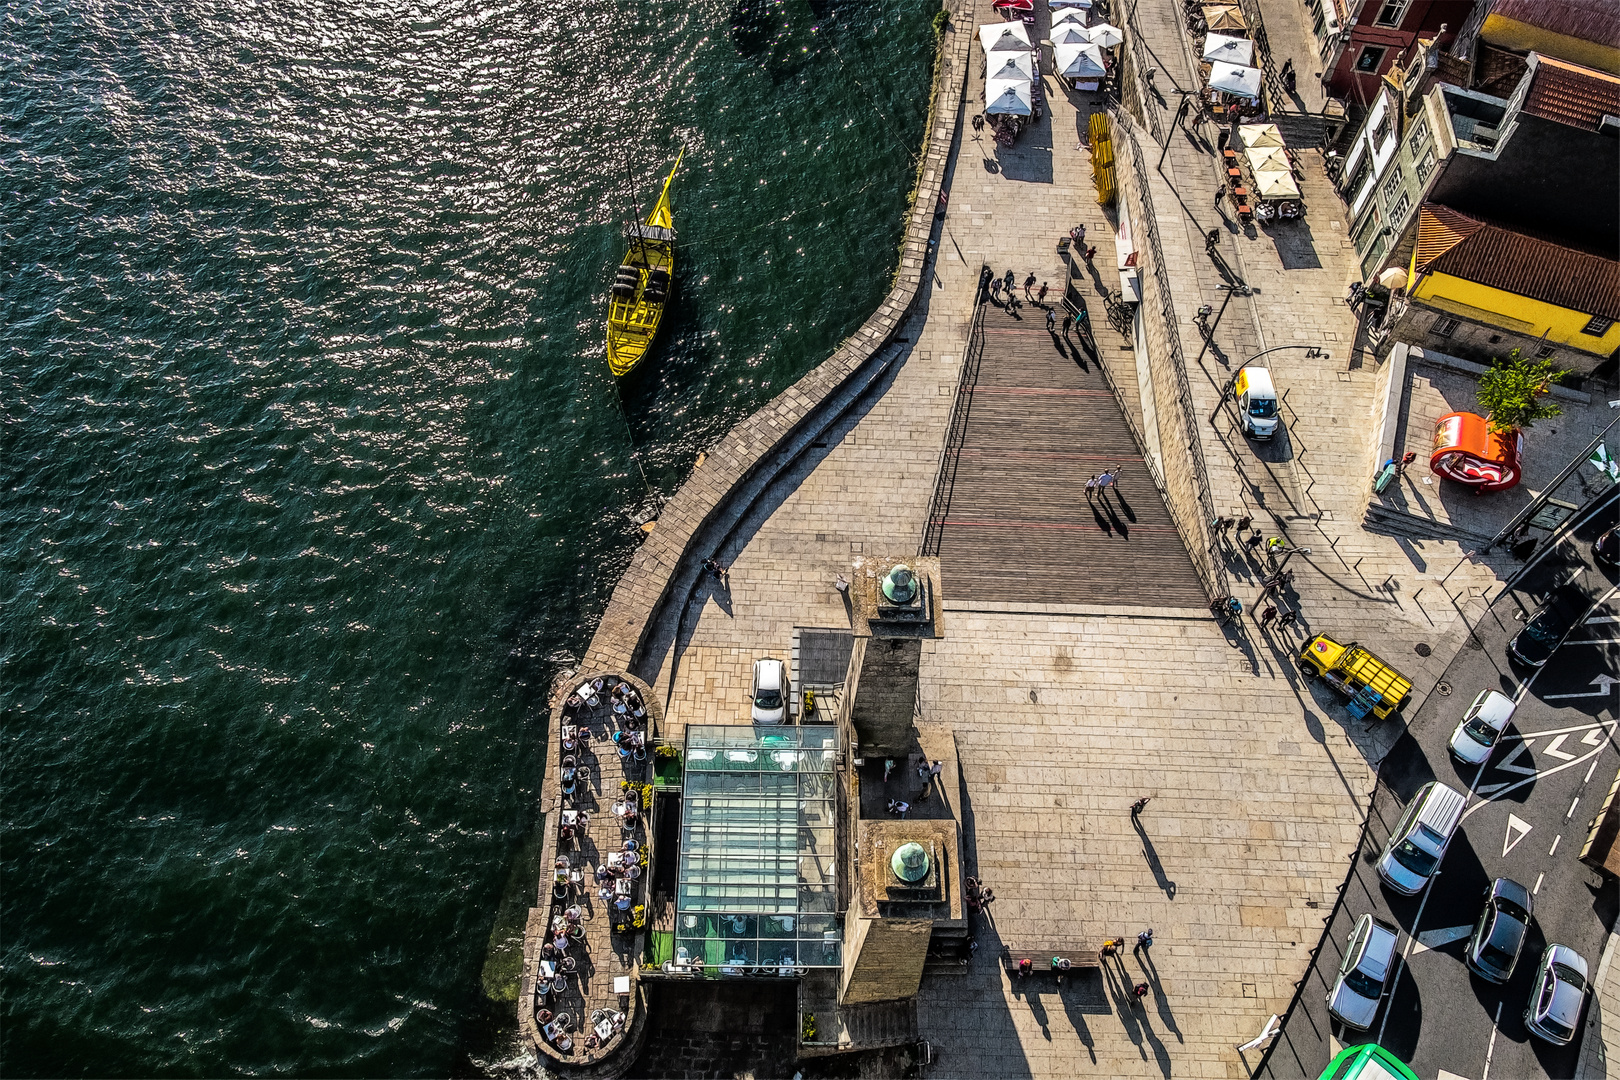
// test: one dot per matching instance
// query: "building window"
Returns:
(1444, 327)
(1420, 135)
(1392, 184)
(1425, 165)
(1367, 231)
(1390, 12)
(1397, 213)
(1358, 177)
(1544, 353)
(1371, 59)
(1598, 326)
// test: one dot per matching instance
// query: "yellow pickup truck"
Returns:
(1371, 685)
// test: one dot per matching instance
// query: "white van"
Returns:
(1418, 844)
(1256, 402)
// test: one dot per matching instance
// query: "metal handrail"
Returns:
(950, 454)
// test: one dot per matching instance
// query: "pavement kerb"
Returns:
(761, 446)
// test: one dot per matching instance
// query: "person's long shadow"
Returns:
(1072, 351)
(1144, 957)
(1113, 518)
(720, 590)
(1102, 522)
(1153, 862)
(1124, 506)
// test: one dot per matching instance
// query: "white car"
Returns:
(1556, 995)
(1368, 956)
(1481, 726)
(770, 691)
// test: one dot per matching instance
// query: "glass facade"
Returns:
(757, 891)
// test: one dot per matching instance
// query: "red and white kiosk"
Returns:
(1468, 451)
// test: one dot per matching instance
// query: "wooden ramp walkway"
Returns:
(1011, 521)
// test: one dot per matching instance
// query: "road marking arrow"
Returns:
(1593, 737)
(1553, 751)
(1506, 764)
(1517, 827)
(1434, 939)
(1604, 683)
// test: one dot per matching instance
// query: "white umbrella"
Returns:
(1004, 37)
(1253, 135)
(1105, 35)
(1069, 15)
(1011, 66)
(1242, 81)
(1069, 33)
(1393, 278)
(1232, 50)
(1268, 159)
(1276, 185)
(1058, 5)
(1008, 96)
(1079, 61)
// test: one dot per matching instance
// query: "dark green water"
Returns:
(314, 475)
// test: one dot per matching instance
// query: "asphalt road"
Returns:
(1527, 817)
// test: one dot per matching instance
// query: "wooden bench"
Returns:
(1081, 955)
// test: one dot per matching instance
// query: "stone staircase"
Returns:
(887, 1023)
(1301, 131)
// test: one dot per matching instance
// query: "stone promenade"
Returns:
(1065, 713)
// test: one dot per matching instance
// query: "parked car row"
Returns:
(1416, 847)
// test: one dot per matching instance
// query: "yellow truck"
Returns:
(1371, 685)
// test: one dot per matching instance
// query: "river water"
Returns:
(314, 474)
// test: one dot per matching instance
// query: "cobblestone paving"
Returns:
(1065, 714)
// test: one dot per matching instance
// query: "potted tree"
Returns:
(1485, 452)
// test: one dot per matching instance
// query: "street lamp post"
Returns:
(1237, 289)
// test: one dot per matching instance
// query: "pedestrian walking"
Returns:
(1105, 480)
(1051, 321)
(978, 121)
(1252, 541)
(1078, 235)
(986, 897)
(1091, 487)
(1091, 253)
(1007, 281)
(715, 568)
(1029, 284)
(1140, 990)
(1289, 80)
(1244, 522)
(1040, 294)
(1139, 805)
(1268, 615)
(1025, 966)
(899, 808)
(1144, 940)
(1068, 320)
(1220, 193)
(995, 289)
(1212, 240)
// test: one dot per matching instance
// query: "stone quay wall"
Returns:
(1184, 479)
(720, 490)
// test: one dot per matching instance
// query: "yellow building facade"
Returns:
(1513, 313)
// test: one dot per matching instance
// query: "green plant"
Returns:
(809, 1026)
(941, 17)
(664, 750)
(1516, 392)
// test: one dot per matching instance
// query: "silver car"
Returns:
(1557, 995)
(1368, 956)
(1493, 950)
(1481, 726)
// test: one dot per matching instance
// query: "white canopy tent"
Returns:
(1233, 79)
(1257, 135)
(1268, 159)
(1070, 33)
(1010, 66)
(1231, 50)
(1075, 16)
(1106, 36)
(1081, 62)
(1275, 185)
(1004, 37)
(1058, 5)
(1008, 96)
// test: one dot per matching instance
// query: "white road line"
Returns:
(1589, 773)
(1528, 735)
(1530, 780)
(1490, 1047)
(1571, 813)
(1554, 848)
(1537, 890)
(1551, 749)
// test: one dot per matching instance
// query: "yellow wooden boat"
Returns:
(642, 286)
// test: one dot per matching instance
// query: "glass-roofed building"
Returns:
(757, 889)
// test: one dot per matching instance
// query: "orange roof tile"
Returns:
(1571, 94)
(1453, 243)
